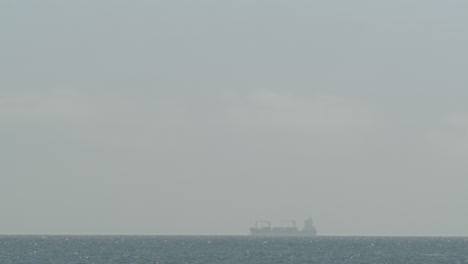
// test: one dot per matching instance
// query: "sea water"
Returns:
(230, 249)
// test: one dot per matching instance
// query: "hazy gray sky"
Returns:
(200, 117)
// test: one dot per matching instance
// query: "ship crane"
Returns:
(266, 222)
(290, 221)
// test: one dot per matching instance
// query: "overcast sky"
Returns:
(200, 117)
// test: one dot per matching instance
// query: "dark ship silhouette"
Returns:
(267, 230)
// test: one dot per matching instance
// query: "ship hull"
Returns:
(283, 235)
(272, 233)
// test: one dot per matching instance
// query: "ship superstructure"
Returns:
(264, 228)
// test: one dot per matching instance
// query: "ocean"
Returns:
(231, 249)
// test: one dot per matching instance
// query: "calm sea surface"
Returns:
(219, 249)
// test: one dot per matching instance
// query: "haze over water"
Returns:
(201, 117)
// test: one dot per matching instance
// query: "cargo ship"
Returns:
(264, 228)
